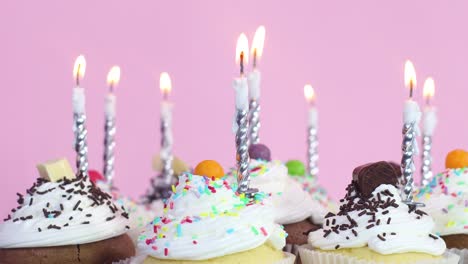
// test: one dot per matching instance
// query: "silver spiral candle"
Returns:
(81, 146)
(109, 146)
(312, 151)
(409, 149)
(426, 168)
(254, 121)
(166, 151)
(242, 150)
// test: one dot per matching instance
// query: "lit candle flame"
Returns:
(257, 44)
(242, 51)
(429, 89)
(113, 77)
(309, 93)
(410, 76)
(165, 84)
(79, 69)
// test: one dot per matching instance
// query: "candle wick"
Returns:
(255, 58)
(242, 63)
(78, 75)
(111, 87)
(428, 101)
(411, 89)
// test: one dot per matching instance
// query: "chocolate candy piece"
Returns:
(295, 168)
(259, 152)
(397, 168)
(369, 176)
(55, 170)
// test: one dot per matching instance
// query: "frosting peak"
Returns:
(205, 219)
(382, 222)
(446, 198)
(65, 212)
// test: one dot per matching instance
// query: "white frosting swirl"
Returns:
(292, 204)
(446, 199)
(321, 202)
(62, 213)
(205, 219)
(140, 214)
(383, 223)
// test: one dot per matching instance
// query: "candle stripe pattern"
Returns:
(242, 146)
(81, 146)
(254, 121)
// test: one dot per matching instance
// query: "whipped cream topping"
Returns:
(66, 212)
(446, 199)
(140, 214)
(383, 222)
(321, 202)
(205, 219)
(292, 204)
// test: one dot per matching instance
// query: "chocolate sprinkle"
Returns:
(330, 214)
(381, 238)
(337, 247)
(76, 205)
(54, 227)
(433, 237)
(82, 187)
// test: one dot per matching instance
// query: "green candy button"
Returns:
(295, 168)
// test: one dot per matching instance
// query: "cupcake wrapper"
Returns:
(309, 256)
(288, 259)
(294, 250)
(463, 253)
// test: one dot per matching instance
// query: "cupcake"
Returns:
(446, 199)
(140, 214)
(159, 189)
(206, 221)
(293, 206)
(321, 202)
(64, 218)
(373, 225)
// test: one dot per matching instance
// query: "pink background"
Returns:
(352, 52)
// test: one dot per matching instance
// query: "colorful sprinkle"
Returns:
(254, 230)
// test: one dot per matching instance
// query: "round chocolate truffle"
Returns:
(259, 152)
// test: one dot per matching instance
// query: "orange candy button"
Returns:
(209, 168)
(456, 159)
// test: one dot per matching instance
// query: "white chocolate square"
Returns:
(56, 170)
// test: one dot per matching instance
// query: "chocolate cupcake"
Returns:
(140, 214)
(373, 225)
(64, 218)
